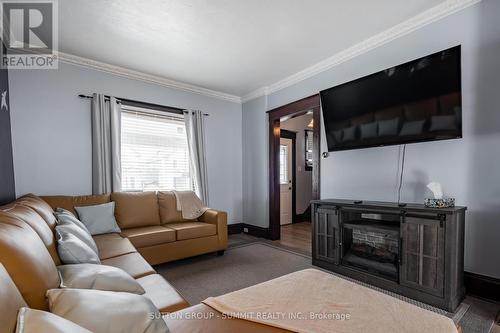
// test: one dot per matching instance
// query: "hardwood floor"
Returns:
(296, 236)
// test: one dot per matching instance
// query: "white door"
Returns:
(286, 183)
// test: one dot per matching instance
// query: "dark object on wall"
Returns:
(7, 188)
(413, 102)
(414, 251)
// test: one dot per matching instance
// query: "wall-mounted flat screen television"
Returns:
(413, 102)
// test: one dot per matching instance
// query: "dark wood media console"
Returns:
(414, 251)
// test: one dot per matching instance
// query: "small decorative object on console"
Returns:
(439, 203)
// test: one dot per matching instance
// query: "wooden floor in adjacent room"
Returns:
(296, 236)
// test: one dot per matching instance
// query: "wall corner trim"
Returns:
(431, 15)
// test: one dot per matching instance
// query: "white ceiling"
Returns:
(231, 46)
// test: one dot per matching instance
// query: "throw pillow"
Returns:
(36, 321)
(349, 134)
(100, 277)
(66, 217)
(107, 311)
(99, 219)
(83, 235)
(412, 128)
(443, 123)
(388, 127)
(72, 250)
(369, 131)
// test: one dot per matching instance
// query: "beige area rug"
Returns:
(244, 265)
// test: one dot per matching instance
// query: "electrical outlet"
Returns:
(245, 230)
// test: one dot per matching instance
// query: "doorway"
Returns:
(285, 214)
(287, 170)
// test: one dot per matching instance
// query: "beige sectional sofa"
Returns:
(151, 234)
(152, 224)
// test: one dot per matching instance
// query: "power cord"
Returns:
(401, 175)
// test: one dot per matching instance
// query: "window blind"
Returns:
(284, 164)
(154, 152)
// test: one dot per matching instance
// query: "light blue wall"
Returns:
(467, 168)
(255, 162)
(51, 131)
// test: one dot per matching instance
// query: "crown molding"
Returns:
(431, 15)
(136, 75)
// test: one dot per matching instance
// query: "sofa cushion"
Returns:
(132, 263)
(69, 202)
(35, 221)
(107, 311)
(112, 245)
(100, 277)
(162, 294)
(189, 230)
(136, 209)
(149, 236)
(40, 206)
(36, 321)
(27, 261)
(168, 208)
(10, 301)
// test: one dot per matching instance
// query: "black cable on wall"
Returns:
(401, 174)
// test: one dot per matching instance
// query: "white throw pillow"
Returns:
(81, 234)
(99, 219)
(66, 217)
(72, 250)
(107, 311)
(36, 321)
(100, 277)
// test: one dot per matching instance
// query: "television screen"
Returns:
(413, 102)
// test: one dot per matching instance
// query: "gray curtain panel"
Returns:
(106, 140)
(195, 130)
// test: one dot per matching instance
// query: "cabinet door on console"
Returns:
(422, 262)
(327, 235)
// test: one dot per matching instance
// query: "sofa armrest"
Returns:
(219, 218)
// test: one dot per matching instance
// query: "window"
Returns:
(154, 151)
(284, 164)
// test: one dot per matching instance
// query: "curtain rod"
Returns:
(143, 104)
